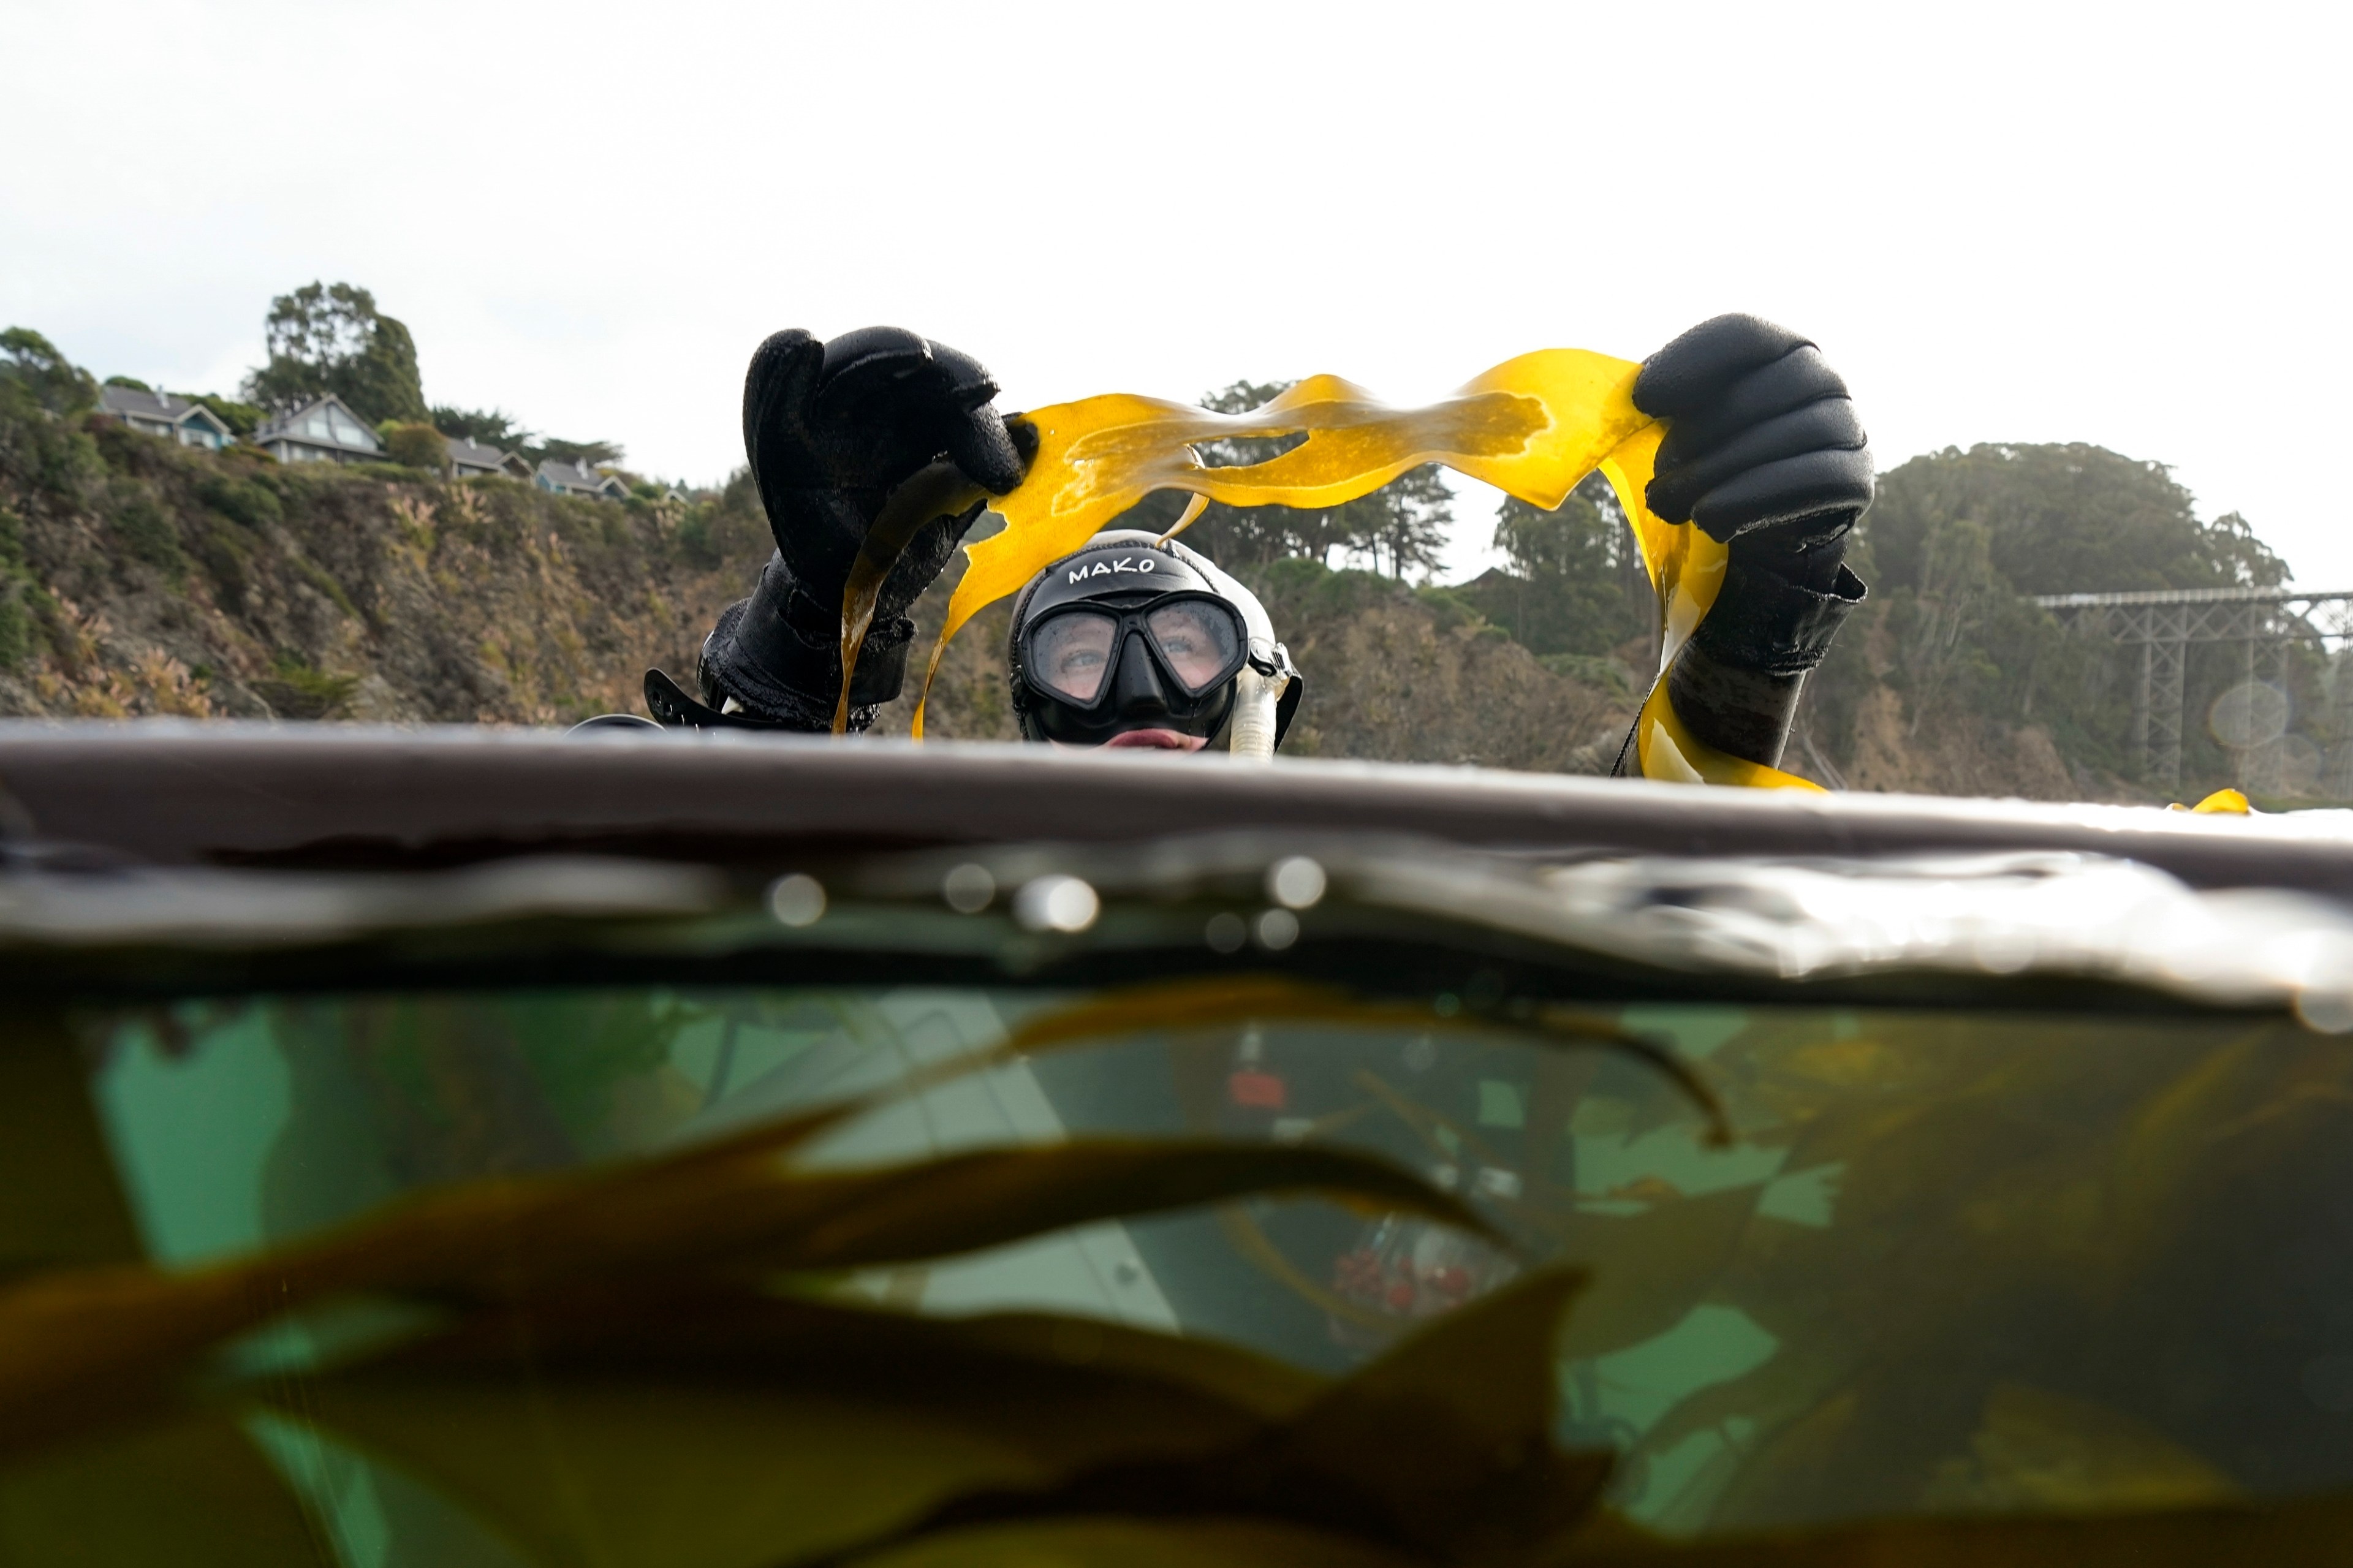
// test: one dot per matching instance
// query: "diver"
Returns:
(1132, 643)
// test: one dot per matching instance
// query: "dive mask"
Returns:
(1126, 636)
(1071, 654)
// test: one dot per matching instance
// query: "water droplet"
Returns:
(798, 900)
(1295, 883)
(968, 889)
(1056, 903)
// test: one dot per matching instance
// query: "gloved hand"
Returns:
(1763, 453)
(832, 430)
(1762, 435)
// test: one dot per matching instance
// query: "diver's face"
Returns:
(1154, 676)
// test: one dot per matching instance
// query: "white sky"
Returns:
(2123, 224)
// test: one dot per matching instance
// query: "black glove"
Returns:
(1764, 453)
(833, 431)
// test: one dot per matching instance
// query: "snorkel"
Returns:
(1261, 685)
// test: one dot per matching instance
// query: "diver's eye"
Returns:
(1073, 652)
(1196, 640)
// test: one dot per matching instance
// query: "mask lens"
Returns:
(1197, 639)
(1071, 653)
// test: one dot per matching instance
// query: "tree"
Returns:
(2070, 519)
(593, 453)
(1957, 546)
(499, 429)
(1575, 582)
(330, 338)
(496, 427)
(1405, 524)
(488, 426)
(56, 383)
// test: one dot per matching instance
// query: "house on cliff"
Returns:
(469, 459)
(577, 478)
(161, 414)
(322, 431)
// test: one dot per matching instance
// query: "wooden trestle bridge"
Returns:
(2163, 623)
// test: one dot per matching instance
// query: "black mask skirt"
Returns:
(1125, 637)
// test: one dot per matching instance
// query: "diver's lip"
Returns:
(1156, 740)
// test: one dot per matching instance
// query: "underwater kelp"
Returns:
(656, 1359)
(98, 1359)
(2049, 1237)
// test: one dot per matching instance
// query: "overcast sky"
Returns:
(2123, 224)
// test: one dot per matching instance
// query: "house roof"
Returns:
(473, 454)
(324, 422)
(129, 403)
(579, 478)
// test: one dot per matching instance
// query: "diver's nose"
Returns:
(1136, 684)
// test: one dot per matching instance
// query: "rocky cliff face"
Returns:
(141, 577)
(138, 577)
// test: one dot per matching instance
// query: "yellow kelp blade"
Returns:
(1686, 567)
(935, 491)
(1532, 426)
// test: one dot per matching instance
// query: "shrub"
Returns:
(144, 530)
(1605, 673)
(224, 553)
(42, 453)
(245, 502)
(318, 577)
(16, 625)
(417, 447)
(298, 690)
